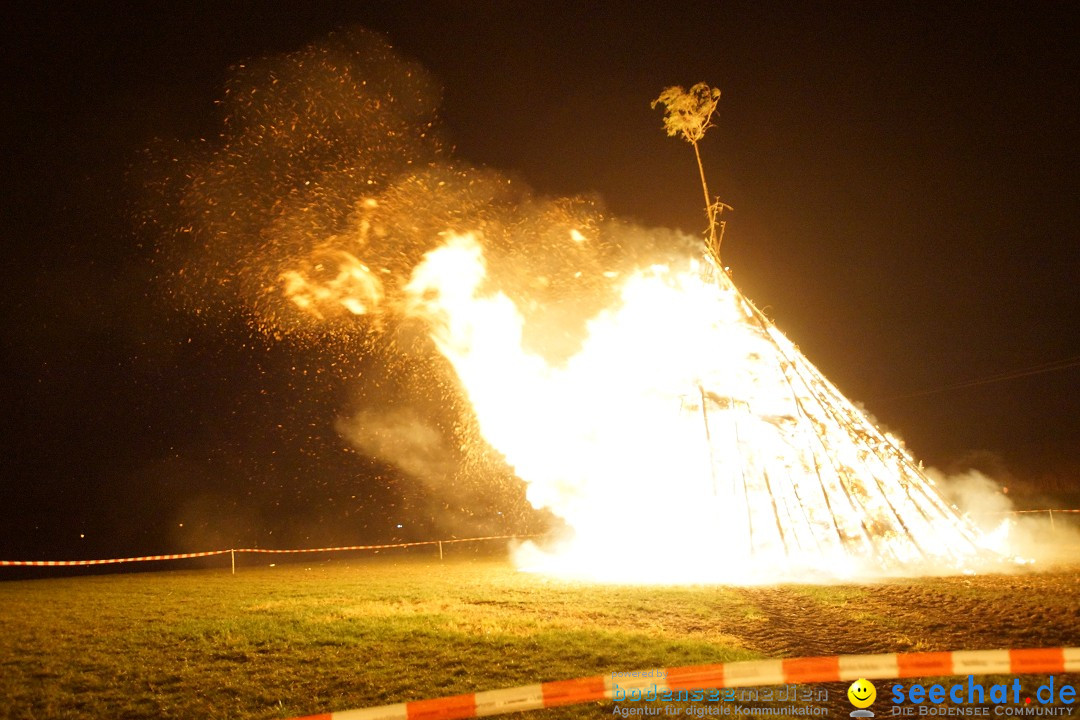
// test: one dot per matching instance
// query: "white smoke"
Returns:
(1038, 537)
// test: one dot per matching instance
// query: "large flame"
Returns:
(688, 439)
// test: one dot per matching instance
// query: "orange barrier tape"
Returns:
(381, 547)
(835, 668)
(111, 561)
(182, 556)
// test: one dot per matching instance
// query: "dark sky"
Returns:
(904, 177)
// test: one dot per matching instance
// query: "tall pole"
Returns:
(712, 246)
(708, 439)
(688, 114)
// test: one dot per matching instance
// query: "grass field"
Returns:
(274, 642)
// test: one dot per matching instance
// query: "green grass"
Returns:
(276, 642)
(284, 641)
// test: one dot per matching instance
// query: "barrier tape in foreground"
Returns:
(182, 556)
(836, 668)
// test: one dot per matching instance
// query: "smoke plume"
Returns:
(328, 182)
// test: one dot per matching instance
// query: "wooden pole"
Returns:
(232, 553)
(708, 440)
(440, 549)
(710, 213)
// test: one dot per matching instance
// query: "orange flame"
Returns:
(349, 284)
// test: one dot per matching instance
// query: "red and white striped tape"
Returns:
(393, 545)
(110, 561)
(181, 556)
(835, 668)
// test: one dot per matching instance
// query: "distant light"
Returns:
(399, 525)
(82, 536)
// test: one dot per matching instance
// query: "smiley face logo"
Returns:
(862, 693)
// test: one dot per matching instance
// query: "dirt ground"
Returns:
(1036, 609)
(1032, 609)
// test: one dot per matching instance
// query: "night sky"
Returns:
(905, 178)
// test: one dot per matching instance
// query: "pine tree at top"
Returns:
(689, 113)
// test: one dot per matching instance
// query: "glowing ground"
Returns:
(343, 633)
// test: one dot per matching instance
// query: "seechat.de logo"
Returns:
(974, 699)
